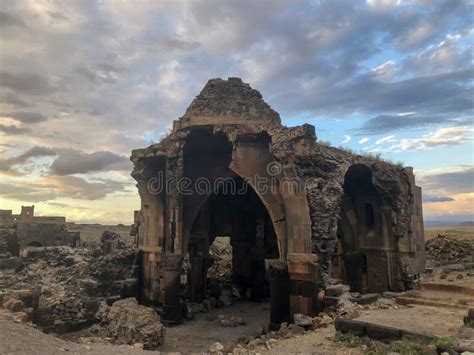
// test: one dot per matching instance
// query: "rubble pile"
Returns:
(130, 323)
(62, 289)
(221, 252)
(444, 250)
(110, 242)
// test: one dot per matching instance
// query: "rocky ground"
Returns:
(445, 250)
(63, 280)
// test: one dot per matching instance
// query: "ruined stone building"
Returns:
(26, 229)
(298, 212)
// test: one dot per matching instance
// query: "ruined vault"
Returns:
(298, 212)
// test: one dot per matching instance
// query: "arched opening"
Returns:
(361, 258)
(222, 204)
(244, 221)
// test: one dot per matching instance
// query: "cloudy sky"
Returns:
(82, 83)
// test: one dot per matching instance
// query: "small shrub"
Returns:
(405, 347)
(348, 339)
(444, 342)
(462, 302)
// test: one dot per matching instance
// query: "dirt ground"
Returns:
(435, 321)
(205, 332)
(19, 338)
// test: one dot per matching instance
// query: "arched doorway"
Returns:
(241, 216)
(362, 257)
(224, 204)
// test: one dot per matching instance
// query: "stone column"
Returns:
(172, 309)
(279, 293)
(258, 262)
(303, 285)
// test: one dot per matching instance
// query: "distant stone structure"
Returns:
(298, 212)
(20, 231)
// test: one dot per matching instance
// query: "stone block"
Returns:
(330, 301)
(13, 304)
(334, 290)
(351, 326)
(366, 299)
(415, 336)
(381, 332)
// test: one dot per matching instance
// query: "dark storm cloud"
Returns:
(452, 182)
(74, 162)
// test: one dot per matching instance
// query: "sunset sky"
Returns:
(82, 83)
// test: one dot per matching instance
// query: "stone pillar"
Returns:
(258, 262)
(172, 310)
(303, 285)
(241, 265)
(279, 293)
(197, 274)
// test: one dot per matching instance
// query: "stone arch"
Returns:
(151, 226)
(249, 159)
(363, 233)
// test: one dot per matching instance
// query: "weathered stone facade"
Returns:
(20, 231)
(298, 212)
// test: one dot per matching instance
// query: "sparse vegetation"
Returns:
(444, 342)
(402, 347)
(347, 339)
(462, 302)
(374, 156)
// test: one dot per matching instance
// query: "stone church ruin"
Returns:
(299, 213)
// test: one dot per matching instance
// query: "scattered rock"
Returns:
(334, 290)
(443, 250)
(128, 322)
(296, 329)
(366, 298)
(303, 320)
(13, 304)
(216, 347)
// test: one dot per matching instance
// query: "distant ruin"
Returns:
(18, 231)
(321, 213)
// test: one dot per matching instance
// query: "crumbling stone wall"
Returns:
(306, 224)
(20, 231)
